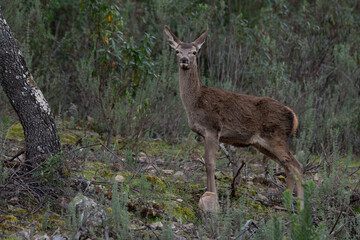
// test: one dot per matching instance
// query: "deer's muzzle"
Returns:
(184, 63)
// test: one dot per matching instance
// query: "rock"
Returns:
(119, 178)
(150, 169)
(88, 213)
(209, 202)
(160, 161)
(179, 174)
(142, 158)
(13, 200)
(168, 172)
(188, 227)
(262, 197)
(156, 225)
(59, 237)
(25, 234)
(138, 222)
(90, 119)
(41, 237)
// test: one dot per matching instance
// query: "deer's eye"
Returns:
(194, 52)
(177, 51)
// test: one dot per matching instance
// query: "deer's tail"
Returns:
(295, 122)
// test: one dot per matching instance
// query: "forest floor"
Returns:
(161, 184)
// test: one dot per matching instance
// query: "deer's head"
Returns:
(185, 52)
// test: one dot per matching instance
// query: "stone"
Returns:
(119, 178)
(150, 169)
(262, 197)
(179, 174)
(209, 202)
(25, 234)
(142, 158)
(156, 225)
(41, 237)
(13, 200)
(59, 237)
(88, 212)
(168, 171)
(160, 161)
(188, 227)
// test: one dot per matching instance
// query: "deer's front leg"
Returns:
(208, 202)
(211, 148)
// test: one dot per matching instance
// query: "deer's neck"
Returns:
(190, 85)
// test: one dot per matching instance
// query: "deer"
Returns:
(221, 116)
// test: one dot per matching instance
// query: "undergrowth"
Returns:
(141, 197)
(119, 115)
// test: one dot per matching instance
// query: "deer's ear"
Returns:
(200, 40)
(172, 39)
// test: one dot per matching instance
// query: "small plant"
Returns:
(301, 224)
(227, 223)
(51, 171)
(45, 219)
(167, 233)
(3, 173)
(73, 220)
(4, 124)
(119, 215)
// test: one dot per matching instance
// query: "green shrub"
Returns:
(119, 215)
(122, 75)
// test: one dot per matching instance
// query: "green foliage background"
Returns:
(106, 65)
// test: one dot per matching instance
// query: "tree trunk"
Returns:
(26, 98)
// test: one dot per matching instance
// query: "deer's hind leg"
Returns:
(278, 150)
(293, 168)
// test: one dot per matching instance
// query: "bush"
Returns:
(123, 76)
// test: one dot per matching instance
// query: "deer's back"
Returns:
(238, 117)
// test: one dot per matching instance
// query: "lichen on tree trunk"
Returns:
(26, 98)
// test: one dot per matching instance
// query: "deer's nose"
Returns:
(184, 60)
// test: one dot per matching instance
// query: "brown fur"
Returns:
(295, 121)
(241, 120)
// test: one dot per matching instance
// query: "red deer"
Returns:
(237, 119)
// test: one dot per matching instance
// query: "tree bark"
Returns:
(40, 132)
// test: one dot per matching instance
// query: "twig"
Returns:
(151, 163)
(138, 229)
(339, 229)
(16, 155)
(106, 230)
(157, 237)
(216, 169)
(244, 228)
(310, 166)
(116, 156)
(227, 154)
(354, 172)
(56, 232)
(266, 204)
(83, 147)
(337, 220)
(234, 179)
(281, 187)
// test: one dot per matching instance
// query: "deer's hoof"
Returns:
(209, 202)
